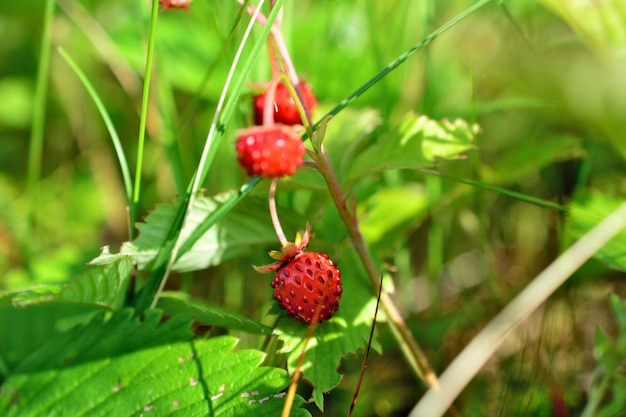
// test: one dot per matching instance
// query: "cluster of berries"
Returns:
(274, 149)
(306, 284)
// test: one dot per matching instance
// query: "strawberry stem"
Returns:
(412, 351)
(269, 102)
(274, 213)
(295, 91)
(292, 79)
(291, 392)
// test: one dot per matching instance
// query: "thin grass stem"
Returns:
(144, 115)
(115, 139)
(35, 150)
(469, 362)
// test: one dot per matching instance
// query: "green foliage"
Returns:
(531, 156)
(176, 304)
(243, 230)
(586, 211)
(418, 142)
(125, 366)
(601, 25)
(53, 305)
(608, 390)
(444, 206)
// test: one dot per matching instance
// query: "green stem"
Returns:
(115, 139)
(435, 245)
(35, 151)
(144, 115)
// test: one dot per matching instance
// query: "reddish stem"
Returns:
(269, 102)
(274, 213)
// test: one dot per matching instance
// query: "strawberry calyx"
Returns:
(287, 252)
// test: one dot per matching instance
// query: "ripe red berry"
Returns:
(305, 281)
(285, 109)
(270, 152)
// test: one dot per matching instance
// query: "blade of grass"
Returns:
(115, 139)
(513, 194)
(398, 61)
(191, 108)
(144, 116)
(35, 150)
(169, 252)
(469, 362)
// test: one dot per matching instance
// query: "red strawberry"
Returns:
(175, 4)
(285, 110)
(269, 152)
(305, 281)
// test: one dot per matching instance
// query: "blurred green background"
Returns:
(545, 80)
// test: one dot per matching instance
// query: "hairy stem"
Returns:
(410, 348)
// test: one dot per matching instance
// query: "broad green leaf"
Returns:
(247, 227)
(125, 366)
(347, 134)
(345, 333)
(29, 317)
(387, 216)
(177, 304)
(105, 286)
(23, 330)
(585, 213)
(531, 155)
(417, 143)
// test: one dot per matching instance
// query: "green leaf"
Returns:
(23, 330)
(418, 142)
(345, 333)
(586, 212)
(103, 286)
(175, 304)
(244, 229)
(123, 366)
(530, 156)
(346, 135)
(389, 214)
(607, 393)
(30, 317)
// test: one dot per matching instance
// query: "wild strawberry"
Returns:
(175, 4)
(285, 109)
(304, 281)
(270, 152)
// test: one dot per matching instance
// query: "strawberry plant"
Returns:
(452, 173)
